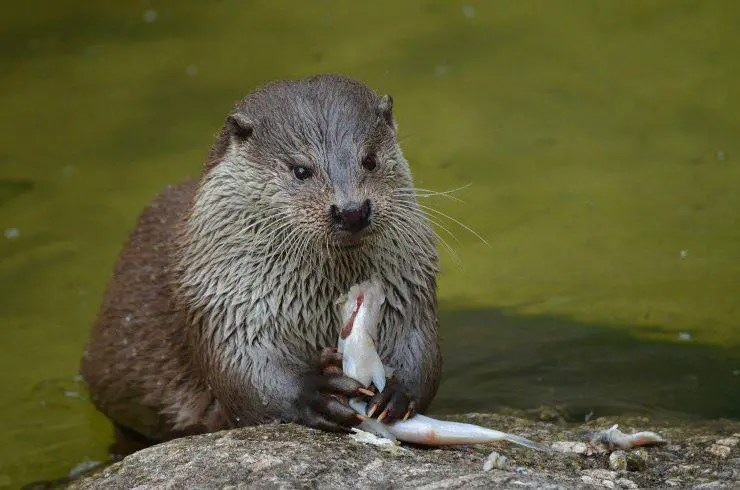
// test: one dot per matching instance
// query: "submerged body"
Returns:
(360, 361)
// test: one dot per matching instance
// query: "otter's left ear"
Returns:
(385, 109)
(239, 126)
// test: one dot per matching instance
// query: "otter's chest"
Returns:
(303, 305)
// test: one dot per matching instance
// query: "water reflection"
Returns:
(601, 139)
(494, 359)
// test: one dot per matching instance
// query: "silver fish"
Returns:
(361, 314)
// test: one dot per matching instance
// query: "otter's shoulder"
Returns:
(170, 204)
(150, 242)
(166, 211)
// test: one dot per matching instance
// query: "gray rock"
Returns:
(497, 461)
(618, 460)
(728, 441)
(291, 456)
(575, 447)
(719, 450)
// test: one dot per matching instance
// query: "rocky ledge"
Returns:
(699, 455)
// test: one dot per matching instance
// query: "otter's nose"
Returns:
(353, 217)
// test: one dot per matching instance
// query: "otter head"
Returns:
(304, 193)
(313, 163)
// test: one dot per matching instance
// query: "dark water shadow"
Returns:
(495, 360)
(79, 26)
(12, 188)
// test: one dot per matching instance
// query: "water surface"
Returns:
(600, 139)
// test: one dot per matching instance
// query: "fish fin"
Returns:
(349, 367)
(379, 375)
(377, 428)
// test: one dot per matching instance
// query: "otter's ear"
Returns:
(239, 126)
(385, 109)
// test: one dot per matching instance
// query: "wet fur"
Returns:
(225, 291)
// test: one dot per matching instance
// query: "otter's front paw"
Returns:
(320, 404)
(391, 404)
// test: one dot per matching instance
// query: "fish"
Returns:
(361, 311)
(613, 437)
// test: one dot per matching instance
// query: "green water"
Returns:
(600, 138)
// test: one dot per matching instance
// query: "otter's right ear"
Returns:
(239, 126)
(385, 109)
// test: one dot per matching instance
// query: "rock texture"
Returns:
(291, 456)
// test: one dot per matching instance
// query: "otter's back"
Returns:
(136, 363)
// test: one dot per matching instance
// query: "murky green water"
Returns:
(601, 139)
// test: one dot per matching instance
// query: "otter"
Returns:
(221, 305)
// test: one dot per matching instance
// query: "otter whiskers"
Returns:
(422, 192)
(431, 193)
(405, 211)
(279, 225)
(433, 220)
(433, 215)
(407, 208)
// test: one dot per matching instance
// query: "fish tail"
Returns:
(527, 443)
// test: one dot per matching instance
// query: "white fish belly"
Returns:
(421, 429)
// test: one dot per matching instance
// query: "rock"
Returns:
(382, 443)
(710, 484)
(618, 460)
(626, 483)
(719, 450)
(601, 474)
(571, 447)
(292, 456)
(728, 441)
(590, 480)
(498, 461)
(637, 460)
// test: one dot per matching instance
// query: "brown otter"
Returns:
(223, 295)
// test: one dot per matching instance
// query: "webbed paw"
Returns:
(323, 399)
(391, 404)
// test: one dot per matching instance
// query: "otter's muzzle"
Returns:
(352, 217)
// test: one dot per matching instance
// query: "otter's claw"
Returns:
(321, 402)
(330, 362)
(391, 404)
(319, 421)
(338, 414)
(410, 411)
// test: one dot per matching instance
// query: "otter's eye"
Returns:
(370, 162)
(301, 172)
